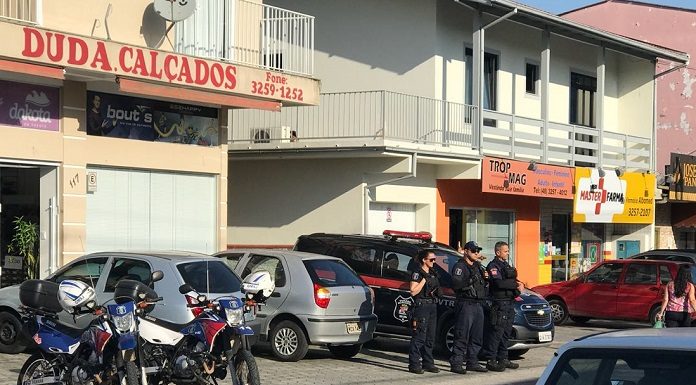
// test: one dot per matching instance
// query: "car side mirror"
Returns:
(185, 288)
(156, 276)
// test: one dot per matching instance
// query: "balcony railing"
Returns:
(370, 118)
(20, 10)
(250, 33)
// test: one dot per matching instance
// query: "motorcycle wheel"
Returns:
(246, 372)
(37, 366)
(132, 375)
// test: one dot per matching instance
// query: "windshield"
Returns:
(210, 277)
(624, 367)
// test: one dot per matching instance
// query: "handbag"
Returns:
(658, 324)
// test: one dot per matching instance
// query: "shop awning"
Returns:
(32, 69)
(683, 215)
(192, 96)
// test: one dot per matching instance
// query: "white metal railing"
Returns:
(21, 10)
(525, 138)
(251, 33)
(379, 115)
(369, 115)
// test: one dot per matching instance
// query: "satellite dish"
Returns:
(175, 10)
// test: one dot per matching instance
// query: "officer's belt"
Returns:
(425, 301)
(472, 300)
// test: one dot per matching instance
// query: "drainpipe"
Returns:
(479, 75)
(367, 187)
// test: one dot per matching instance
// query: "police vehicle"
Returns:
(385, 263)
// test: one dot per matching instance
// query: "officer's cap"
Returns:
(472, 246)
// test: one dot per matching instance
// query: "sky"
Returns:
(558, 6)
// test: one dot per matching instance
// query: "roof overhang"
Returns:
(570, 29)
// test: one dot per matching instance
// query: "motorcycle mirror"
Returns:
(202, 298)
(156, 276)
(185, 288)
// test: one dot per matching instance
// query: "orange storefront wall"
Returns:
(467, 193)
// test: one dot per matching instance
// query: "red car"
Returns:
(628, 289)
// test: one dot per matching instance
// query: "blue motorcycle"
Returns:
(132, 298)
(67, 355)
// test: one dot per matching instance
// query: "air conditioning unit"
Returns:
(272, 134)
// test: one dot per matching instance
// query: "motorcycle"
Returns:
(67, 355)
(210, 347)
(123, 315)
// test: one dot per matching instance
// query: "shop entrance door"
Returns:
(19, 199)
(28, 199)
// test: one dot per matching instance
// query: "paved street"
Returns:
(384, 361)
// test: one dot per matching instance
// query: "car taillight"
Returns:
(322, 296)
(195, 310)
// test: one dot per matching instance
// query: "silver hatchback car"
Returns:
(318, 300)
(103, 270)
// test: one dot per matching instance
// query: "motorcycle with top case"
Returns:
(67, 355)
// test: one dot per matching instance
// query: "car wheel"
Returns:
(288, 341)
(345, 351)
(446, 341)
(11, 338)
(517, 353)
(652, 316)
(559, 311)
(580, 320)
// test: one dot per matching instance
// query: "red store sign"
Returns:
(71, 51)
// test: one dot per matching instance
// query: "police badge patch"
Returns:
(457, 271)
(415, 277)
(401, 308)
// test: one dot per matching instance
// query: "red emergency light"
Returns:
(420, 235)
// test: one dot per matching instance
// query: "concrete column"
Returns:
(477, 75)
(599, 101)
(545, 75)
(222, 180)
(73, 173)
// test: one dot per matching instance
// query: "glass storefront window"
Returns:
(486, 227)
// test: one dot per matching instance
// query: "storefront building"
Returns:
(116, 141)
(400, 140)
(667, 26)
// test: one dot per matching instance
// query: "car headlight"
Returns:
(234, 316)
(123, 323)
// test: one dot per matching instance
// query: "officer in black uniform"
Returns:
(425, 288)
(469, 284)
(504, 287)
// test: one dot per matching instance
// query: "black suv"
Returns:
(384, 263)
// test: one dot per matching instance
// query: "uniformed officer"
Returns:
(504, 287)
(425, 288)
(469, 284)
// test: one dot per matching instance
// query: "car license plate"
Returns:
(545, 337)
(353, 327)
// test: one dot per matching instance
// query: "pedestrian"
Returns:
(503, 288)
(678, 300)
(425, 289)
(469, 285)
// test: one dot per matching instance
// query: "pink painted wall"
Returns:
(676, 92)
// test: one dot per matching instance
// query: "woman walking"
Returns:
(678, 300)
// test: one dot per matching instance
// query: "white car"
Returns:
(629, 357)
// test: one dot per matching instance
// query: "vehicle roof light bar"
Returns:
(420, 235)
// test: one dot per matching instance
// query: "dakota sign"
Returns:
(507, 176)
(683, 186)
(71, 51)
(613, 199)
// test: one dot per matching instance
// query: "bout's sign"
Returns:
(49, 47)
